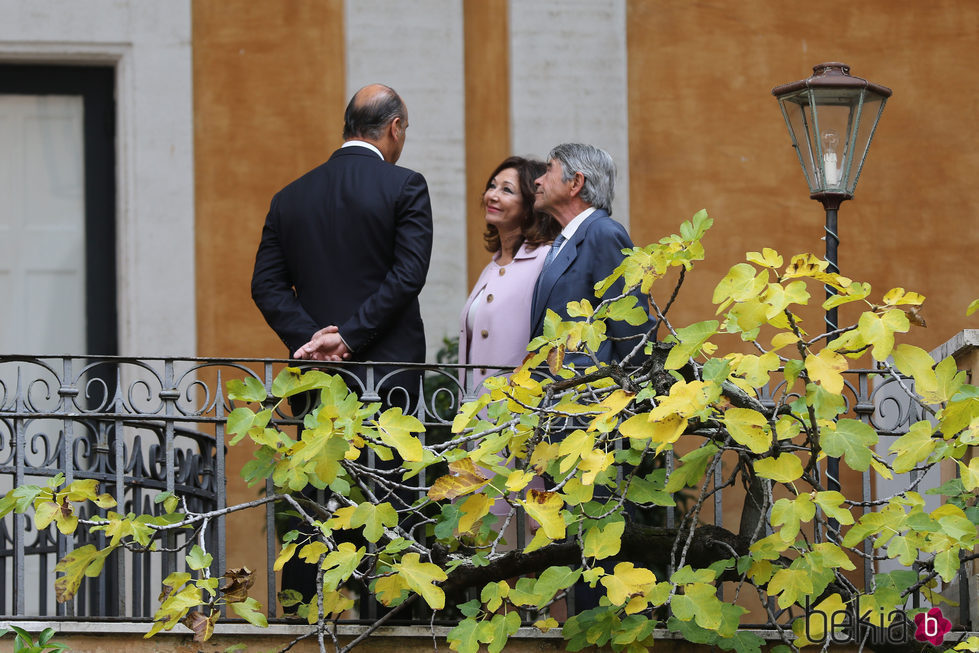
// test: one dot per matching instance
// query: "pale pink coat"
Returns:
(501, 330)
(502, 327)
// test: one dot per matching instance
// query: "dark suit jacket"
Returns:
(589, 256)
(348, 243)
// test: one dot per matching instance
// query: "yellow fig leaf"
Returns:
(519, 479)
(334, 604)
(663, 431)
(44, 513)
(545, 625)
(768, 258)
(284, 556)
(749, 428)
(81, 490)
(790, 514)
(898, 297)
(831, 503)
(782, 339)
(545, 509)
(420, 577)
(784, 469)
(389, 589)
(791, 586)
(610, 408)
(691, 340)
(826, 369)
(852, 292)
(879, 331)
(627, 581)
(396, 431)
(468, 412)
(828, 554)
(576, 493)
(699, 602)
(850, 439)
(913, 447)
(341, 518)
(83, 561)
(970, 474)
(778, 298)
(686, 399)
(761, 571)
(756, 370)
(604, 542)
(918, 364)
(463, 478)
(787, 428)
(543, 454)
(374, 518)
(539, 540)
(339, 564)
(312, 552)
(473, 509)
(574, 447)
(593, 463)
(741, 283)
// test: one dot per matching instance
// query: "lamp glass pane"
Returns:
(835, 111)
(866, 125)
(798, 117)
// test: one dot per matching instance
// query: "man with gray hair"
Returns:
(577, 190)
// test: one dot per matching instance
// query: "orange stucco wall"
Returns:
(705, 132)
(487, 69)
(268, 84)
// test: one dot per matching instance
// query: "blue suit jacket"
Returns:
(590, 256)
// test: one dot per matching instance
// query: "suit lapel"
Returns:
(554, 271)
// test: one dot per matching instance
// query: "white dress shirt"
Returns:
(572, 226)
(369, 146)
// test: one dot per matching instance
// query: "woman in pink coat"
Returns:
(494, 327)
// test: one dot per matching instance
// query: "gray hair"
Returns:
(597, 167)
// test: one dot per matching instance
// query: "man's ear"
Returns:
(577, 184)
(394, 128)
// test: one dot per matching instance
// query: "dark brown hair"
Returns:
(538, 228)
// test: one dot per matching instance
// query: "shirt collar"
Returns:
(572, 226)
(369, 146)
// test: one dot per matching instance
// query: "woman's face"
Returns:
(502, 201)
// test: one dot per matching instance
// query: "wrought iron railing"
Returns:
(149, 425)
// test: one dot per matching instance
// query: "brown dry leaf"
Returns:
(555, 359)
(202, 626)
(915, 317)
(239, 581)
(463, 478)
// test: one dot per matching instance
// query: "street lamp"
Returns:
(832, 118)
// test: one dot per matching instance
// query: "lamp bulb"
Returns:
(831, 158)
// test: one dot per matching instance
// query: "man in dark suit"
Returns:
(346, 247)
(344, 253)
(577, 190)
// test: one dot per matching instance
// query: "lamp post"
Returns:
(831, 117)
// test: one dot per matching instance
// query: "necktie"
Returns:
(555, 247)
